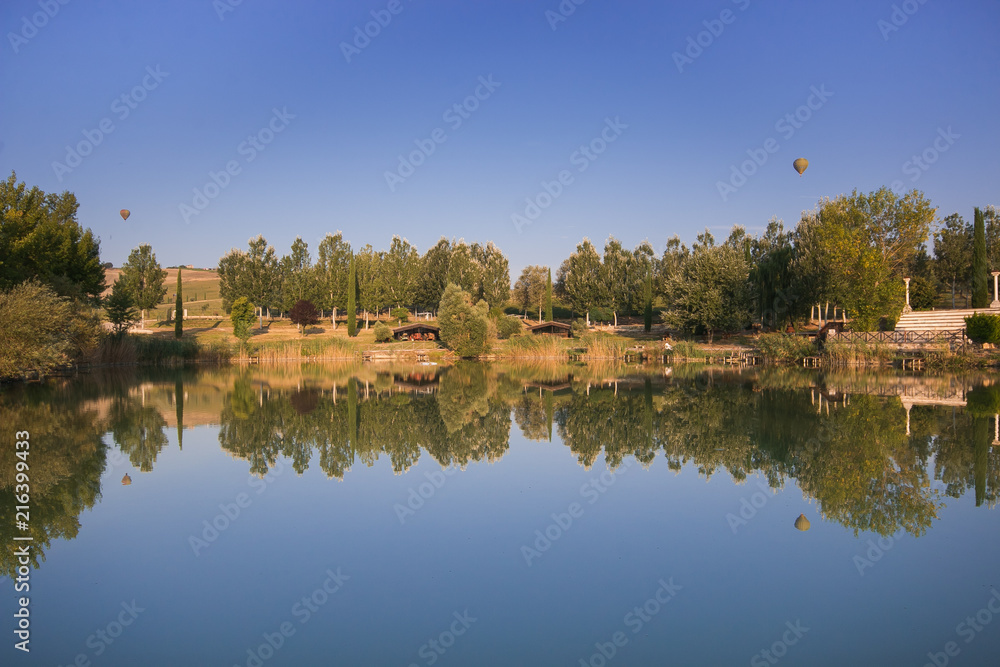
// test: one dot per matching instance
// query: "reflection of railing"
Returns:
(956, 337)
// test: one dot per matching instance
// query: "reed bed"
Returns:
(784, 347)
(534, 347)
(856, 353)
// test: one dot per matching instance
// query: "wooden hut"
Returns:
(551, 329)
(417, 331)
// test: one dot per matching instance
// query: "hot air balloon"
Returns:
(126, 480)
(125, 213)
(801, 164)
(802, 523)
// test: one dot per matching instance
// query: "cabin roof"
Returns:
(407, 328)
(543, 325)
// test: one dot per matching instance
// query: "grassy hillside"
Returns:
(200, 288)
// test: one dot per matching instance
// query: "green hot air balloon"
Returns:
(802, 523)
(801, 164)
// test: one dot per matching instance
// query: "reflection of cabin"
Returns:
(550, 329)
(417, 331)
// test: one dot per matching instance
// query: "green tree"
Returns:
(332, 267)
(242, 314)
(864, 244)
(120, 308)
(298, 279)
(548, 296)
(400, 268)
(143, 278)
(463, 270)
(433, 275)
(493, 285)
(980, 264)
(178, 309)
(953, 253)
(41, 239)
(464, 327)
(254, 274)
(352, 309)
(647, 297)
(579, 279)
(530, 289)
(372, 292)
(711, 290)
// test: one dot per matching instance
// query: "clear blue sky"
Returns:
(894, 93)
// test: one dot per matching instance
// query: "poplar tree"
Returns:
(178, 309)
(980, 268)
(352, 288)
(548, 298)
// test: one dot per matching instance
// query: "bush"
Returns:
(37, 330)
(242, 317)
(508, 326)
(981, 328)
(579, 328)
(383, 333)
(464, 327)
(400, 314)
(784, 347)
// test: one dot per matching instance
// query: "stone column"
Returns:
(906, 308)
(996, 300)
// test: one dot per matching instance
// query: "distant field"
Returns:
(199, 287)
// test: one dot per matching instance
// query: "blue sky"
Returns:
(329, 130)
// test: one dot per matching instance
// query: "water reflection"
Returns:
(867, 448)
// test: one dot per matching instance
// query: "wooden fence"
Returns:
(953, 338)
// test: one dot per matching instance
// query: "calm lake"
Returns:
(504, 515)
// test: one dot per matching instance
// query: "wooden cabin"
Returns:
(417, 331)
(551, 329)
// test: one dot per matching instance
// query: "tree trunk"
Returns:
(333, 318)
(616, 319)
(588, 318)
(952, 293)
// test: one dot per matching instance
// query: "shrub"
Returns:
(383, 333)
(784, 347)
(400, 314)
(982, 328)
(242, 318)
(600, 314)
(39, 330)
(579, 328)
(464, 327)
(508, 326)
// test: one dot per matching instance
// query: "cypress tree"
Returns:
(548, 298)
(352, 286)
(178, 309)
(647, 300)
(980, 268)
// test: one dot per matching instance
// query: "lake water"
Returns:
(491, 515)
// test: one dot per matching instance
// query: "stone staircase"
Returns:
(939, 320)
